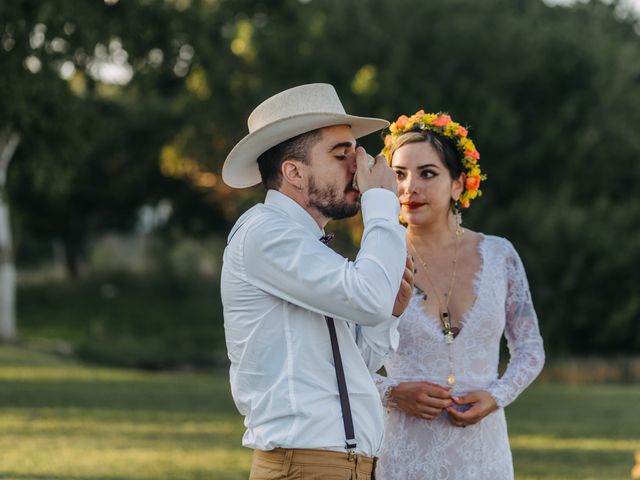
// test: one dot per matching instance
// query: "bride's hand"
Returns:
(479, 404)
(421, 399)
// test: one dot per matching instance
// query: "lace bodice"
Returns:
(503, 305)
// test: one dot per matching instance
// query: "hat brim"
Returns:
(240, 169)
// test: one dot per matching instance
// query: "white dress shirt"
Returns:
(278, 283)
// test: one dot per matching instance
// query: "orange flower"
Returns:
(473, 182)
(462, 132)
(419, 113)
(402, 121)
(442, 120)
(465, 204)
(472, 154)
(388, 140)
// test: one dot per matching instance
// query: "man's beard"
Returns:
(330, 201)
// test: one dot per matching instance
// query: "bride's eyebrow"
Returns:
(421, 167)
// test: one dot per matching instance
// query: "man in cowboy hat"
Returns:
(300, 366)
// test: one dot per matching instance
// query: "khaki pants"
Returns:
(308, 464)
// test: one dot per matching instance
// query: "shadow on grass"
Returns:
(29, 476)
(569, 464)
(203, 474)
(114, 395)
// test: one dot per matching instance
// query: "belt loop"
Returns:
(356, 471)
(286, 464)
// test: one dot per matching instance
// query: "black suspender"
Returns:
(347, 419)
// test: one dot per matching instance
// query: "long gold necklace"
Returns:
(444, 312)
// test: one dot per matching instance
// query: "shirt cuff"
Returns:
(383, 338)
(380, 203)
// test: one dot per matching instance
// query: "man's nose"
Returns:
(353, 166)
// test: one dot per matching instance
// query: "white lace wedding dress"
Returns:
(417, 449)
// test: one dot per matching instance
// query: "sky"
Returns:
(633, 5)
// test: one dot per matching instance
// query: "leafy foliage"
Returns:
(551, 94)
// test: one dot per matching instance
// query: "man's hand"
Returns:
(481, 404)
(406, 288)
(421, 399)
(380, 175)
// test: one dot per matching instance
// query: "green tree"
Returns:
(551, 94)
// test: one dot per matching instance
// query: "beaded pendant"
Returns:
(446, 321)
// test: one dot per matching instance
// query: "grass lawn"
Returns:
(64, 420)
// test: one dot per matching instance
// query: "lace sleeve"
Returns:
(523, 335)
(384, 385)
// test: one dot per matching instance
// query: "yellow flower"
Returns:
(452, 129)
(464, 143)
(429, 118)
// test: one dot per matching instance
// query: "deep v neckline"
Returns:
(475, 285)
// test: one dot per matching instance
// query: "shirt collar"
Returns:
(293, 210)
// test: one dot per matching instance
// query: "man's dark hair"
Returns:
(296, 148)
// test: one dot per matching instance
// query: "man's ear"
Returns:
(292, 173)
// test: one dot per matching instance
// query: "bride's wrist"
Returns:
(388, 398)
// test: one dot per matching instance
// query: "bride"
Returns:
(442, 392)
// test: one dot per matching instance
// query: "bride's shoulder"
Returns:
(495, 243)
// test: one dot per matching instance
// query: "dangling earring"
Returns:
(458, 213)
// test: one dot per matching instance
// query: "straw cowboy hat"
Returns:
(283, 116)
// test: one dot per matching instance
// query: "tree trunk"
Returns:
(9, 140)
(74, 254)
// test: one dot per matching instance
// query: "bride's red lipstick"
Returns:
(412, 205)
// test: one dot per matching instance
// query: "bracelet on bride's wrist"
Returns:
(389, 402)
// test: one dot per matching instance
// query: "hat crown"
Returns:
(301, 100)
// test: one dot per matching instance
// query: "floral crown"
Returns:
(442, 124)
